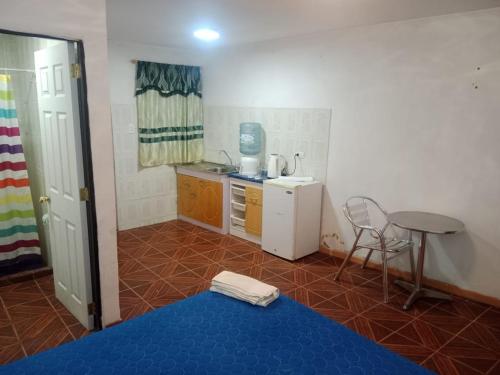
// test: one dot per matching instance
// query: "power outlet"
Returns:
(300, 154)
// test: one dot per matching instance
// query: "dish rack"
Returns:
(238, 207)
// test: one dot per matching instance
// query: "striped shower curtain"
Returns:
(19, 243)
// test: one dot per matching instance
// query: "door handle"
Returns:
(44, 199)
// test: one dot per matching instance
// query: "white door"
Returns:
(63, 174)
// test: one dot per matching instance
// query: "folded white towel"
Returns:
(244, 288)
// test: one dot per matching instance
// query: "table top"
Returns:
(426, 222)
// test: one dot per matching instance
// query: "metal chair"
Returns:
(356, 210)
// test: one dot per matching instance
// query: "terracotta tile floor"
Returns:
(33, 320)
(164, 263)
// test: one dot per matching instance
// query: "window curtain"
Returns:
(169, 113)
(19, 243)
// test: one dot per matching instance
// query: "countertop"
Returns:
(259, 179)
(203, 166)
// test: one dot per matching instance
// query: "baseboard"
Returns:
(431, 283)
(145, 223)
(25, 275)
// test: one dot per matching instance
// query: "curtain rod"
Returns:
(17, 70)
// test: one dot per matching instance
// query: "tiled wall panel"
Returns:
(285, 131)
(144, 195)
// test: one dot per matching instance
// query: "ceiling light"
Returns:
(207, 35)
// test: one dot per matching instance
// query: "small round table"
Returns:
(423, 222)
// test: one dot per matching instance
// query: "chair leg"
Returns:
(344, 263)
(412, 264)
(367, 258)
(348, 257)
(385, 280)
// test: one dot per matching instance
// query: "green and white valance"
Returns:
(169, 113)
(168, 79)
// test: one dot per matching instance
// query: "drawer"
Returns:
(238, 206)
(238, 191)
(237, 221)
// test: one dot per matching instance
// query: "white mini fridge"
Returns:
(291, 218)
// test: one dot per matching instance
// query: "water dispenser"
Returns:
(250, 148)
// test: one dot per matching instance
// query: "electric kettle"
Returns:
(274, 165)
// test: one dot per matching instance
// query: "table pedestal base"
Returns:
(419, 293)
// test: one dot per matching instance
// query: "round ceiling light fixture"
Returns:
(207, 35)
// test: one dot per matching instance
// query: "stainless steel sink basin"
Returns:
(221, 170)
(206, 166)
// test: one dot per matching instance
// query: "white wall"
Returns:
(408, 128)
(85, 20)
(144, 195)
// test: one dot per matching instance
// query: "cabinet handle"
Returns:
(192, 195)
(253, 201)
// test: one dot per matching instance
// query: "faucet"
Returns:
(227, 155)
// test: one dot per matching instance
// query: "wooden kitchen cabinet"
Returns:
(253, 212)
(187, 195)
(200, 199)
(210, 202)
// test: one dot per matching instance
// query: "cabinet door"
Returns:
(187, 195)
(253, 212)
(209, 209)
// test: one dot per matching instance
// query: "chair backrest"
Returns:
(365, 213)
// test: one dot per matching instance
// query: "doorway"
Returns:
(49, 290)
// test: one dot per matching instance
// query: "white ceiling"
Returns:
(171, 22)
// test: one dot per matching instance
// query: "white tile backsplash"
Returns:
(286, 130)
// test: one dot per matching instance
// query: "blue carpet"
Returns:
(214, 334)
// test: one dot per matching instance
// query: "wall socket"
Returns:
(300, 154)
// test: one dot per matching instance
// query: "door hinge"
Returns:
(75, 71)
(84, 194)
(91, 308)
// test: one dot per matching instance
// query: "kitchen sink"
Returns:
(206, 166)
(221, 170)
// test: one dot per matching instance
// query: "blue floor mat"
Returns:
(214, 334)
